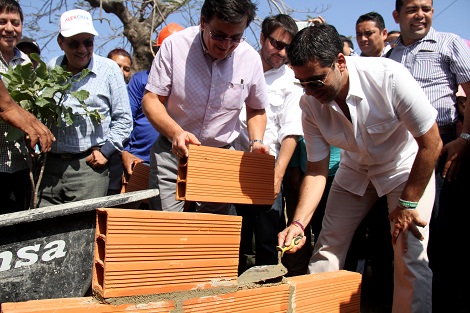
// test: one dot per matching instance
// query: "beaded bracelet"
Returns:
(407, 204)
(297, 223)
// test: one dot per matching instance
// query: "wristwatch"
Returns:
(466, 137)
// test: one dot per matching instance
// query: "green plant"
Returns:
(42, 92)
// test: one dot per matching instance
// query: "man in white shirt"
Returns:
(374, 111)
(283, 129)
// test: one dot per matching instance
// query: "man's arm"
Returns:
(429, 147)
(288, 145)
(457, 148)
(311, 192)
(13, 114)
(157, 115)
(256, 125)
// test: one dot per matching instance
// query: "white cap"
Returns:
(76, 22)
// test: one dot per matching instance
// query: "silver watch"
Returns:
(466, 137)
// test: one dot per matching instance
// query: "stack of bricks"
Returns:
(151, 261)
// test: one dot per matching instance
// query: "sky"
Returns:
(449, 16)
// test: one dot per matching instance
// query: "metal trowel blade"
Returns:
(261, 273)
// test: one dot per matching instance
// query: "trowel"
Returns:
(263, 273)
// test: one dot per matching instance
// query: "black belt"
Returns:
(70, 156)
(447, 129)
(168, 142)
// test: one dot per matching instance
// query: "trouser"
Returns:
(450, 272)
(263, 222)
(71, 179)
(15, 191)
(345, 211)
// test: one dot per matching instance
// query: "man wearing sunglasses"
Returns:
(77, 166)
(283, 130)
(374, 110)
(198, 82)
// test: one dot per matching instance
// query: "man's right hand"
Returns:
(36, 133)
(179, 143)
(129, 161)
(285, 237)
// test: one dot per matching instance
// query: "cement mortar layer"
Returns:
(180, 296)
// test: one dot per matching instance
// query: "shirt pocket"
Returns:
(428, 66)
(233, 96)
(381, 132)
(338, 140)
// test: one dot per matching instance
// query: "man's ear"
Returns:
(60, 43)
(395, 16)
(341, 60)
(202, 23)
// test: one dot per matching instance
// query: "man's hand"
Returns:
(179, 144)
(455, 151)
(258, 147)
(404, 220)
(96, 159)
(35, 131)
(129, 161)
(285, 237)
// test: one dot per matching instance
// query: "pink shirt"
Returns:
(205, 96)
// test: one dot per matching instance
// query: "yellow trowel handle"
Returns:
(293, 243)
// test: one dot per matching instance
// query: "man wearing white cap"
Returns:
(77, 166)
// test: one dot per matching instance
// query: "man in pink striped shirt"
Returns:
(198, 82)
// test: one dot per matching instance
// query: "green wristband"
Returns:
(407, 204)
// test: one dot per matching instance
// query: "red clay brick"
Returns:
(139, 180)
(227, 176)
(330, 292)
(145, 252)
(87, 304)
(259, 300)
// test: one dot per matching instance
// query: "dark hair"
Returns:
(119, 51)
(320, 43)
(11, 6)
(271, 23)
(229, 11)
(374, 17)
(399, 4)
(392, 32)
(346, 39)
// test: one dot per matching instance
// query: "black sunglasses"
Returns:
(279, 45)
(73, 44)
(222, 38)
(315, 84)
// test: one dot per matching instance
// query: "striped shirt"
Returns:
(439, 62)
(108, 95)
(12, 154)
(205, 97)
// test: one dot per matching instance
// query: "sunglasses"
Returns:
(73, 44)
(222, 38)
(279, 45)
(315, 84)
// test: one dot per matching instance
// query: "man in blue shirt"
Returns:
(77, 166)
(143, 135)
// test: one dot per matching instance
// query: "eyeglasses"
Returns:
(73, 44)
(222, 38)
(315, 84)
(279, 45)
